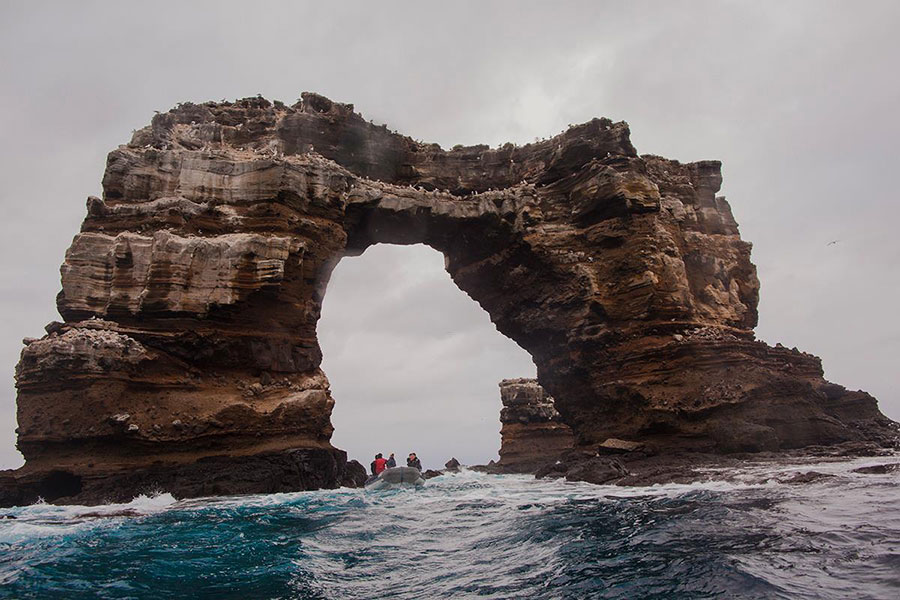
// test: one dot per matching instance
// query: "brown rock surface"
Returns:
(531, 432)
(614, 446)
(191, 296)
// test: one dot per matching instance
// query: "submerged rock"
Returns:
(596, 470)
(878, 469)
(807, 477)
(583, 466)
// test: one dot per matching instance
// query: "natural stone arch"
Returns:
(188, 358)
(412, 360)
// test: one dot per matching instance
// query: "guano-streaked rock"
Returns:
(190, 300)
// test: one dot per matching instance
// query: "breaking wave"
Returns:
(471, 534)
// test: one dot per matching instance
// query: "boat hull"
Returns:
(396, 477)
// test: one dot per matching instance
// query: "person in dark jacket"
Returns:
(378, 465)
(391, 463)
(413, 461)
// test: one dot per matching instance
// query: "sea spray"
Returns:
(471, 534)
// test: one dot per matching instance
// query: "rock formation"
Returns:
(188, 351)
(531, 432)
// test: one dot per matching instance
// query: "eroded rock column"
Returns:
(531, 433)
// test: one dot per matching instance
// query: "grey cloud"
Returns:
(383, 281)
(797, 98)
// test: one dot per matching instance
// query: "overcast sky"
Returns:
(800, 100)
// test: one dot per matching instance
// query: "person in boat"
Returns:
(391, 462)
(379, 464)
(413, 461)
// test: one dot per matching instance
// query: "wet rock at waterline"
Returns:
(355, 474)
(807, 477)
(584, 466)
(264, 472)
(190, 299)
(615, 446)
(879, 469)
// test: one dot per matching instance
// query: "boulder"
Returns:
(355, 475)
(596, 470)
(616, 446)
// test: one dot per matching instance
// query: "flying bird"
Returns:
(832, 242)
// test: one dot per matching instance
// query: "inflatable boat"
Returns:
(395, 477)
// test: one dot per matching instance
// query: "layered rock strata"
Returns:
(531, 432)
(191, 295)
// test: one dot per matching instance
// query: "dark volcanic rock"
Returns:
(596, 470)
(616, 446)
(689, 467)
(878, 469)
(188, 358)
(286, 471)
(807, 477)
(576, 465)
(355, 475)
(551, 470)
(452, 465)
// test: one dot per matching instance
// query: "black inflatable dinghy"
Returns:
(395, 477)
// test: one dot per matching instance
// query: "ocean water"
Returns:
(477, 536)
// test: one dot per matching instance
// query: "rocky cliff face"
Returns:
(191, 295)
(531, 432)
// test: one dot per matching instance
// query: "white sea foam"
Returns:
(141, 505)
(42, 520)
(471, 533)
(466, 486)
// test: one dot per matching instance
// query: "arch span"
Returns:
(188, 358)
(413, 362)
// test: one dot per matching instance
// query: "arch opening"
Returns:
(414, 363)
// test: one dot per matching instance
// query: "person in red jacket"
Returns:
(379, 464)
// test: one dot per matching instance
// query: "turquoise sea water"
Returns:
(476, 536)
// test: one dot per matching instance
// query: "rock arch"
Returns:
(188, 359)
